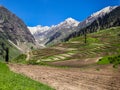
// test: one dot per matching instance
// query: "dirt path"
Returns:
(71, 79)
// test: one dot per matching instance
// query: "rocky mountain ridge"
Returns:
(57, 33)
(13, 29)
(111, 19)
(96, 15)
(43, 34)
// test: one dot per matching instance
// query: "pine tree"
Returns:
(4, 52)
(85, 35)
(7, 55)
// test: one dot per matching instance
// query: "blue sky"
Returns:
(51, 12)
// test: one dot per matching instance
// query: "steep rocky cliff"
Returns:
(14, 30)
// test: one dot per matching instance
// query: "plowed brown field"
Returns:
(106, 78)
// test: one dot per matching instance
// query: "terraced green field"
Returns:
(99, 44)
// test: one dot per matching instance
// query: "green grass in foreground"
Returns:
(13, 81)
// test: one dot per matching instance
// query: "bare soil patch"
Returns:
(76, 63)
(106, 78)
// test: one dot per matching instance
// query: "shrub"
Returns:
(115, 60)
(33, 62)
(21, 58)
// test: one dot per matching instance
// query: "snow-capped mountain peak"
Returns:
(38, 28)
(69, 22)
(44, 34)
(96, 15)
(103, 11)
(65, 24)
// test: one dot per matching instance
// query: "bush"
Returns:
(20, 59)
(33, 62)
(115, 60)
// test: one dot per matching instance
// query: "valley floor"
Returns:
(92, 78)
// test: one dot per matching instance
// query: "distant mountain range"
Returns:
(15, 34)
(43, 34)
(70, 27)
(110, 19)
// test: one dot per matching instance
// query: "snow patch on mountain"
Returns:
(38, 29)
(104, 11)
(96, 15)
(68, 23)
(43, 33)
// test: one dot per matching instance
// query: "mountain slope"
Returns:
(96, 15)
(108, 20)
(45, 34)
(14, 30)
(70, 27)
(61, 31)
(14, 34)
(13, 51)
(99, 44)
(38, 29)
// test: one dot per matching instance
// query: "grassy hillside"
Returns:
(99, 44)
(12, 81)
